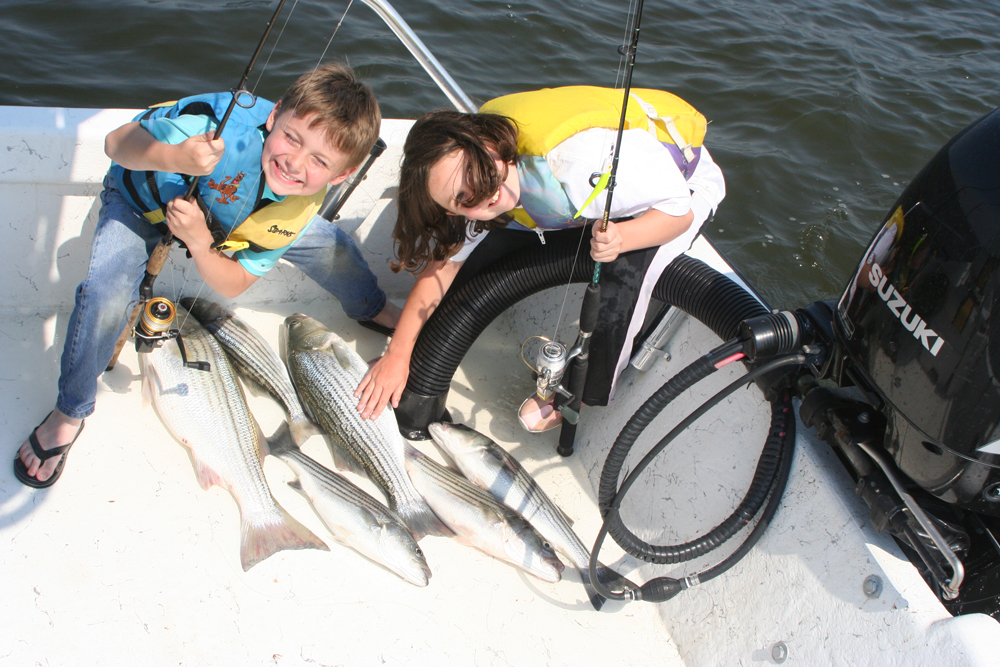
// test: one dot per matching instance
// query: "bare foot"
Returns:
(389, 315)
(56, 430)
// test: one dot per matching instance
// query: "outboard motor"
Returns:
(918, 331)
(921, 321)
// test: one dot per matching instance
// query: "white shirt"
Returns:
(647, 178)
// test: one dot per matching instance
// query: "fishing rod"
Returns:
(579, 356)
(153, 318)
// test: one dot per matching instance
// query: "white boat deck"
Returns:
(127, 561)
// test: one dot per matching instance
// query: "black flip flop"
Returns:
(21, 470)
(376, 327)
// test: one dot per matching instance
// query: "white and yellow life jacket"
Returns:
(547, 117)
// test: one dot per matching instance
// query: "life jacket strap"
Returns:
(652, 116)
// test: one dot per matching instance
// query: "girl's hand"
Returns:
(607, 245)
(187, 222)
(383, 383)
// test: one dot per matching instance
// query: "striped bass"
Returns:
(479, 520)
(255, 360)
(206, 411)
(490, 467)
(354, 517)
(326, 371)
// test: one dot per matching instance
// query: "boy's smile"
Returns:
(297, 159)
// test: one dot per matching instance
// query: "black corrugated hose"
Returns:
(464, 313)
(686, 283)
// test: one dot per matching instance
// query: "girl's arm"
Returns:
(387, 377)
(652, 228)
(133, 147)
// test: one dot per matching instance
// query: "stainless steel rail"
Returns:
(410, 40)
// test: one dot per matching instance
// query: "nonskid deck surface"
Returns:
(126, 560)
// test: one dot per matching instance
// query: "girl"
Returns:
(472, 185)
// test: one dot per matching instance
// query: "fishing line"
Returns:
(274, 46)
(254, 185)
(620, 75)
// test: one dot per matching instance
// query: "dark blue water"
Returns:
(820, 112)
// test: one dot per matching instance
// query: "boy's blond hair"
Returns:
(345, 108)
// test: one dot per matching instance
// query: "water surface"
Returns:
(820, 112)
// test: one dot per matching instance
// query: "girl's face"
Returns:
(448, 185)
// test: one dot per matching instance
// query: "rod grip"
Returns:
(153, 267)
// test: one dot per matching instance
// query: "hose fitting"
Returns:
(774, 334)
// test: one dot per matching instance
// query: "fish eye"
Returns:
(419, 552)
(547, 546)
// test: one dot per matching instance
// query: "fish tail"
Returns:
(266, 534)
(283, 441)
(610, 578)
(421, 520)
(302, 429)
(596, 599)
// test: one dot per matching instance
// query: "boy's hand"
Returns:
(187, 222)
(198, 155)
(605, 246)
(385, 381)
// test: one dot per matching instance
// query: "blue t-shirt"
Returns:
(176, 130)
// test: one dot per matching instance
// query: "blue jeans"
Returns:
(122, 243)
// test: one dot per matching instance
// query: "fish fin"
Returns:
(265, 446)
(344, 354)
(255, 388)
(564, 515)
(295, 484)
(303, 429)
(344, 460)
(148, 373)
(276, 532)
(281, 441)
(207, 477)
(421, 520)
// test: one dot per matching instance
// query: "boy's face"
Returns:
(298, 159)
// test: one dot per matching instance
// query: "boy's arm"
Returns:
(133, 147)
(652, 228)
(222, 273)
(387, 377)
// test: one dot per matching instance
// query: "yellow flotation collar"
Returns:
(276, 225)
(547, 117)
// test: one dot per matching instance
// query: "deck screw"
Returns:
(872, 586)
(864, 418)
(779, 652)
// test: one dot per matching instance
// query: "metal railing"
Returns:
(426, 59)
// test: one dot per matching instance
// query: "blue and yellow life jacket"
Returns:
(547, 117)
(231, 194)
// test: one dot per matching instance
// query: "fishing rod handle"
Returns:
(153, 267)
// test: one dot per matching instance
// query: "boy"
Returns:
(260, 186)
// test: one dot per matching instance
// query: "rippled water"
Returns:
(820, 112)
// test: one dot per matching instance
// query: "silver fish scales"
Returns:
(479, 521)
(492, 468)
(326, 372)
(354, 517)
(254, 359)
(206, 411)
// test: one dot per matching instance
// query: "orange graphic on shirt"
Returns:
(227, 188)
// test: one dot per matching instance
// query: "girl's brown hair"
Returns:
(424, 230)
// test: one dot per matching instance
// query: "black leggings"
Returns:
(620, 284)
